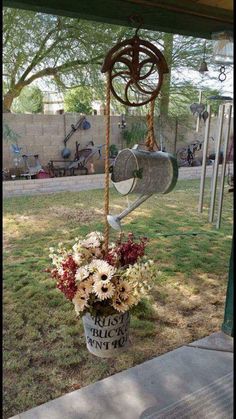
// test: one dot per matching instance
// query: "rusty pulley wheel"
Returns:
(135, 69)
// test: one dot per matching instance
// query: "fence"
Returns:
(44, 135)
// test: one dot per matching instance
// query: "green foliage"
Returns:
(113, 150)
(69, 53)
(144, 310)
(181, 86)
(9, 134)
(65, 52)
(136, 134)
(79, 100)
(30, 100)
(181, 97)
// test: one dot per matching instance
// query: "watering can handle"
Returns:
(139, 147)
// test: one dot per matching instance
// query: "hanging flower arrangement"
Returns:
(102, 283)
(105, 281)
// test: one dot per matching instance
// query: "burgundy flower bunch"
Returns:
(126, 252)
(95, 280)
(66, 281)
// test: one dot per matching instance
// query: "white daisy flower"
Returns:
(80, 301)
(104, 272)
(86, 286)
(93, 266)
(123, 289)
(119, 305)
(90, 242)
(82, 273)
(103, 291)
(96, 234)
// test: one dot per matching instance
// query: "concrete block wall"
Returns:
(44, 135)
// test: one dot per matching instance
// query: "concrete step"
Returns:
(185, 382)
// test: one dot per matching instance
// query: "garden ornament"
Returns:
(204, 115)
(134, 69)
(81, 124)
(142, 172)
(137, 65)
(203, 66)
(197, 108)
(16, 149)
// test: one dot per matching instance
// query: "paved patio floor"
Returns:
(192, 382)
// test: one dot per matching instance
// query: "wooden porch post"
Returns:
(227, 326)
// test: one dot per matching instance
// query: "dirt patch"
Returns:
(184, 316)
(76, 214)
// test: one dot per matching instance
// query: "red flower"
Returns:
(128, 252)
(66, 282)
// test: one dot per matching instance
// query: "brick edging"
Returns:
(79, 183)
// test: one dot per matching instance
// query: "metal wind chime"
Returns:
(134, 72)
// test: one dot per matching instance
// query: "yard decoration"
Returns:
(142, 172)
(105, 280)
(139, 68)
(103, 286)
(133, 63)
(82, 123)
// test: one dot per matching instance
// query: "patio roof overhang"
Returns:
(199, 18)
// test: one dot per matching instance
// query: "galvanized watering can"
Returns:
(142, 172)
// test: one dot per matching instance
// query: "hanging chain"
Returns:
(107, 174)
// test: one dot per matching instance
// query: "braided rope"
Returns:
(107, 177)
(150, 139)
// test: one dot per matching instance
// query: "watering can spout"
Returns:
(114, 220)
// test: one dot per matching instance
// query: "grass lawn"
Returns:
(44, 348)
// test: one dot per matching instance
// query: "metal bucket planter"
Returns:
(106, 337)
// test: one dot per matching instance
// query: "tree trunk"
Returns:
(10, 96)
(7, 102)
(165, 90)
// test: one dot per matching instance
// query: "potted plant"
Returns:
(103, 286)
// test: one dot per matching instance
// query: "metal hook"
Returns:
(136, 20)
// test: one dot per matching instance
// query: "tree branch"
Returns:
(36, 59)
(52, 71)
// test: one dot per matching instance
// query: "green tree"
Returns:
(29, 100)
(181, 97)
(70, 52)
(179, 90)
(67, 51)
(136, 134)
(79, 100)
